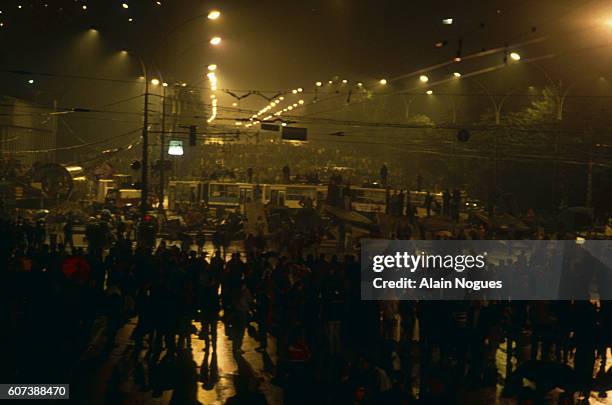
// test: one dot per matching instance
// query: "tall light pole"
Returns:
(144, 179)
(162, 151)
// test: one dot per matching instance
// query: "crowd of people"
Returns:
(331, 346)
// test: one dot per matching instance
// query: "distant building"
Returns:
(28, 133)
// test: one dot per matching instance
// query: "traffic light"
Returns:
(192, 135)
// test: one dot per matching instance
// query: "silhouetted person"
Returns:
(428, 203)
(384, 175)
(241, 301)
(68, 233)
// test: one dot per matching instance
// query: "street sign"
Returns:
(294, 134)
(269, 127)
(175, 148)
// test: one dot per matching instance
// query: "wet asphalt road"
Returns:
(124, 376)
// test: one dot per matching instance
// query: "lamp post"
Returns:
(162, 152)
(144, 179)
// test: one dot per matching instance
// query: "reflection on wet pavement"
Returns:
(252, 367)
(134, 378)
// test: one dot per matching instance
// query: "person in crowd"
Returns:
(69, 232)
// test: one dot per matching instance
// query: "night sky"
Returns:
(275, 46)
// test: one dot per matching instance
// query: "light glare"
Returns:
(214, 14)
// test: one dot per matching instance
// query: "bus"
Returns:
(122, 198)
(233, 194)
(368, 199)
(293, 195)
(184, 192)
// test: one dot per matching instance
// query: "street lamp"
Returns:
(212, 67)
(382, 81)
(155, 82)
(424, 78)
(215, 41)
(214, 14)
(515, 56)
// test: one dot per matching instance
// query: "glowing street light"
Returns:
(457, 74)
(215, 41)
(515, 56)
(212, 67)
(382, 81)
(31, 81)
(429, 92)
(125, 5)
(165, 84)
(155, 82)
(214, 14)
(319, 84)
(344, 81)
(424, 78)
